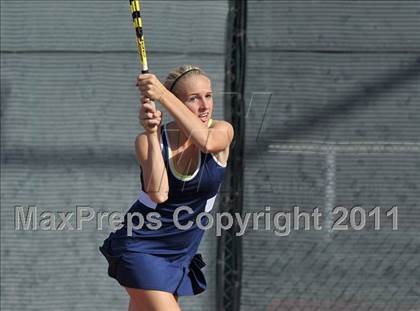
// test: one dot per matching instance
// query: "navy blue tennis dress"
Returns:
(166, 259)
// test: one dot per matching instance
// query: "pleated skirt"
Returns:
(180, 275)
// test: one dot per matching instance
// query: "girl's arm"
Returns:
(213, 139)
(149, 154)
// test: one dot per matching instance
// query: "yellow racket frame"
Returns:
(138, 27)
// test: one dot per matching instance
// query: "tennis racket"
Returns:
(138, 27)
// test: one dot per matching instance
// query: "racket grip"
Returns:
(143, 72)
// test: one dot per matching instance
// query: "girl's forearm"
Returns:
(156, 177)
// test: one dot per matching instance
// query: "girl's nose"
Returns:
(205, 102)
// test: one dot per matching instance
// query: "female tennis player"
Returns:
(182, 165)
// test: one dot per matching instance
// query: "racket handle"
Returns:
(143, 72)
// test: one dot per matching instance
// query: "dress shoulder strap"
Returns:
(164, 142)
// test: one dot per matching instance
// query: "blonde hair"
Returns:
(182, 71)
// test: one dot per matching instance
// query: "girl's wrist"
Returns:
(152, 133)
(163, 99)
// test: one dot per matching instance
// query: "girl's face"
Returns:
(195, 92)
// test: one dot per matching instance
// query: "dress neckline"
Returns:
(175, 173)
